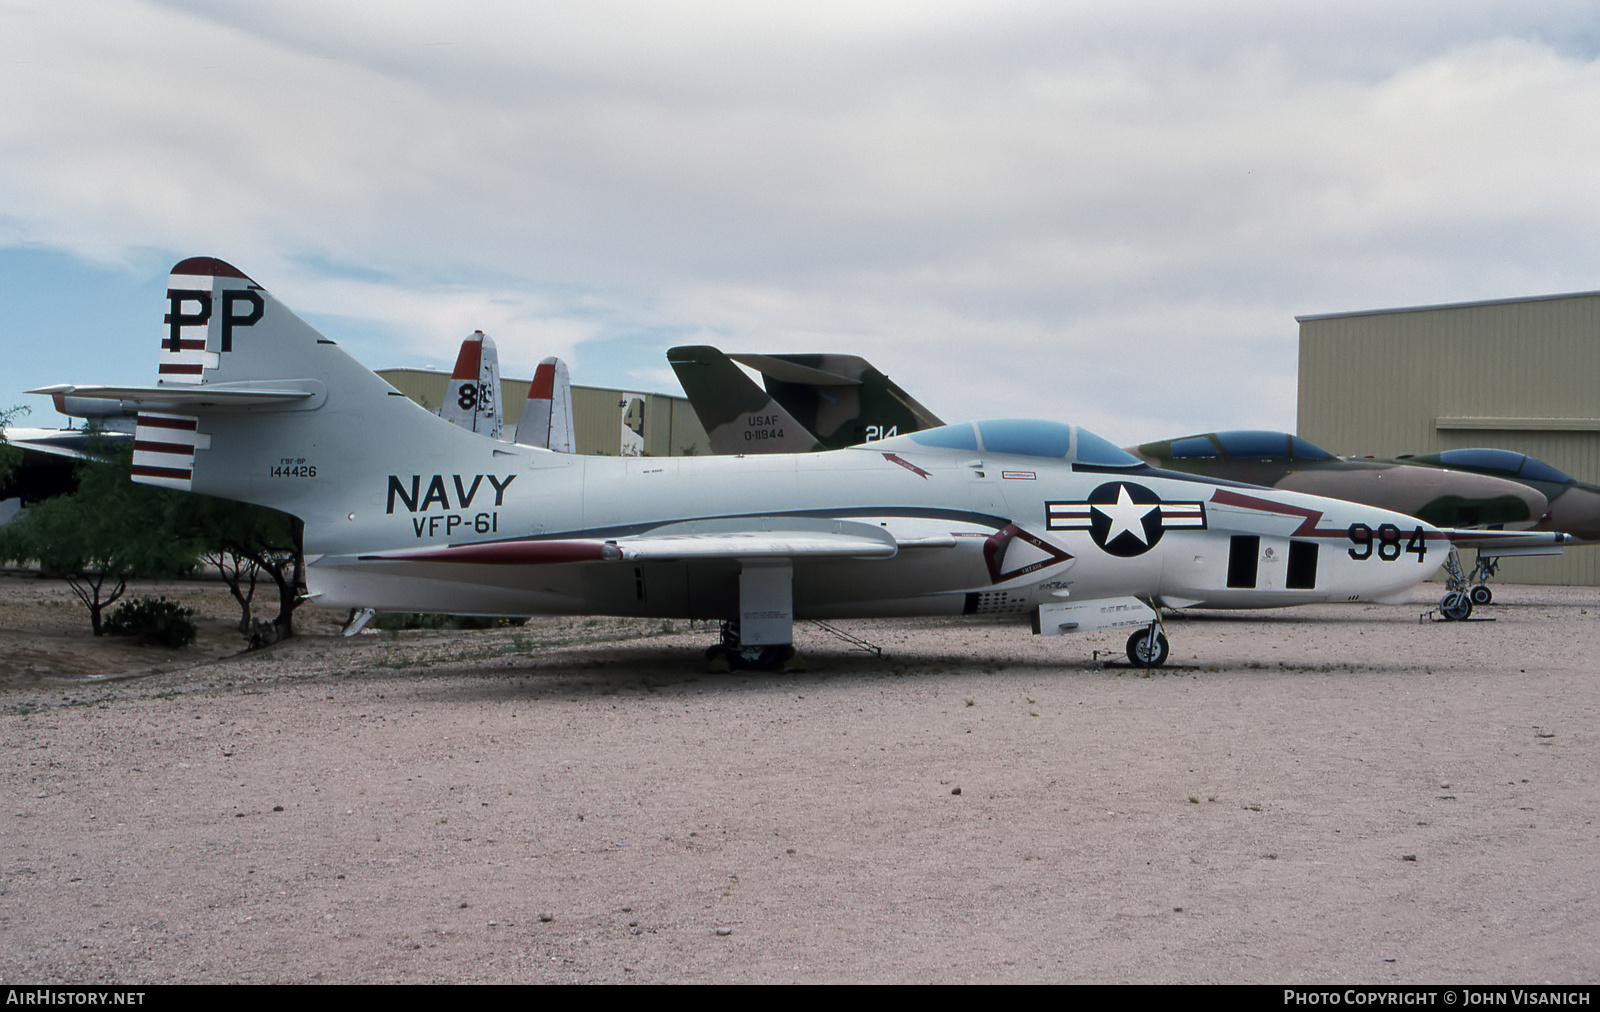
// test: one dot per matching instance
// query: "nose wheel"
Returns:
(1456, 606)
(1464, 591)
(1147, 648)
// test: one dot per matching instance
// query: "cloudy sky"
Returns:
(1093, 212)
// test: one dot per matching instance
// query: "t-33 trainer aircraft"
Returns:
(404, 511)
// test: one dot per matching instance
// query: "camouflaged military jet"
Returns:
(1437, 492)
(1574, 506)
(1042, 521)
(1445, 498)
(818, 401)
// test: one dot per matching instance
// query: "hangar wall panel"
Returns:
(1520, 374)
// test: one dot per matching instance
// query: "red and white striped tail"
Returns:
(163, 449)
(163, 444)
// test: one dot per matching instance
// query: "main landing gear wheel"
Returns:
(730, 655)
(1456, 606)
(765, 658)
(1145, 651)
(1481, 595)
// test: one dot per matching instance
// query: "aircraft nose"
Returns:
(1534, 506)
(1577, 512)
(1480, 500)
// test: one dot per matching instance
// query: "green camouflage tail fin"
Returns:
(737, 416)
(840, 398)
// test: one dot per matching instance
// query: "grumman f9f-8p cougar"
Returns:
(404, 511)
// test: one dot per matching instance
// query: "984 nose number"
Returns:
(1388, 542)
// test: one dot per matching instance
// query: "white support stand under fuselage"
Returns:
(766, 604)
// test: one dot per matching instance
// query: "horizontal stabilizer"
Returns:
(246, 396)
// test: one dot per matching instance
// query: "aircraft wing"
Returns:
(793, 538)
(1508, 543)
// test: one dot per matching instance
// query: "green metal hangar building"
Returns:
(1516, 374)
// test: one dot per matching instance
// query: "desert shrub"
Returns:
(153, 620)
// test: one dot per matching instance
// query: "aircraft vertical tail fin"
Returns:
(547, 416)
(472, 400)
(253, 404)
(843, 399)
(738, 416)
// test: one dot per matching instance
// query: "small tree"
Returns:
(10, 456)
(244, 541)
(100, 536)
(111, 529)
(240, 574)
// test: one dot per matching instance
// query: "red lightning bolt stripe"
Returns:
(914, 469)
(1308, 517)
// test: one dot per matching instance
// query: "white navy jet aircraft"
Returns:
(404, 511)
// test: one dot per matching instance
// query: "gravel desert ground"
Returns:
(1323, 794)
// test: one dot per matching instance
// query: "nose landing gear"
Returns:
(1462, 589)
(1147, 647)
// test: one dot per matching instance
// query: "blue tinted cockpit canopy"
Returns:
(1247, 444)
(1506, 462)
(1025, 437)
